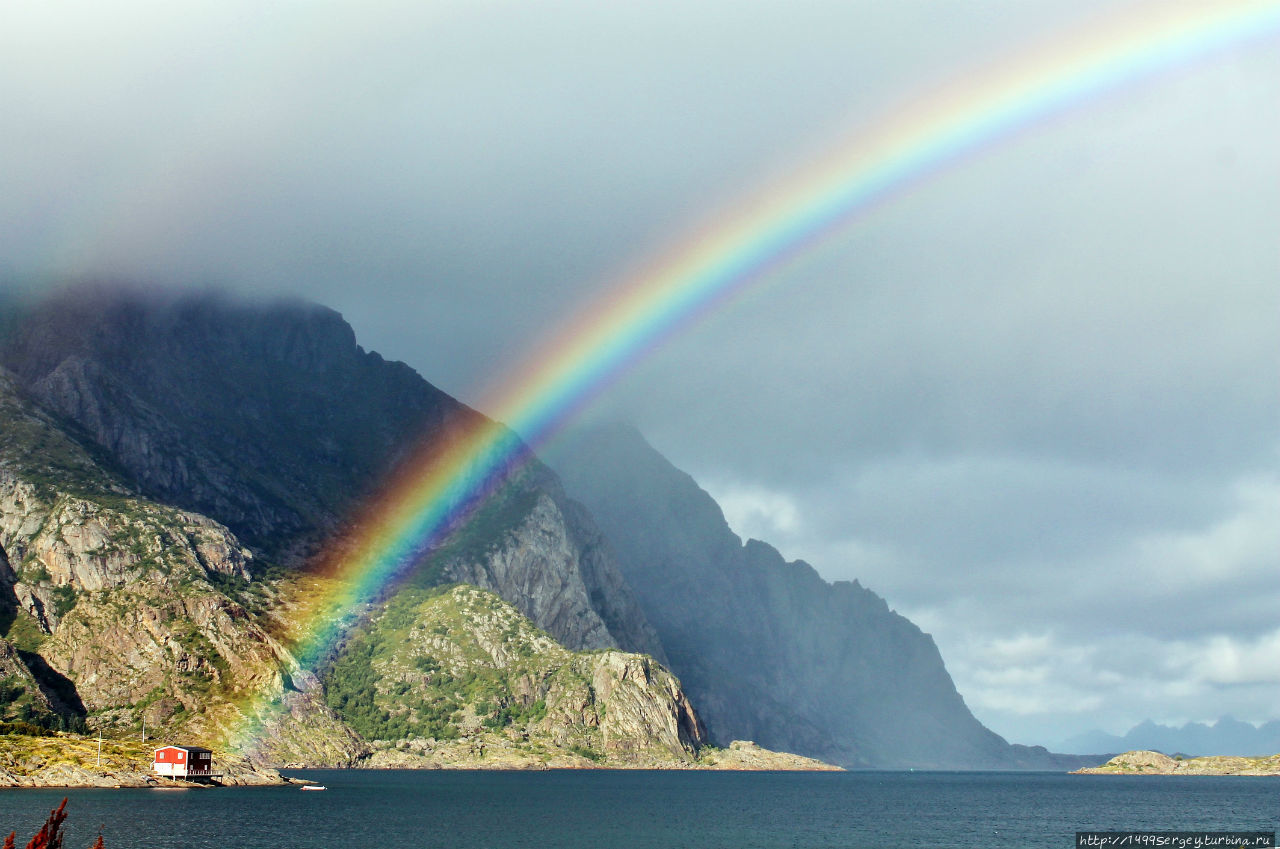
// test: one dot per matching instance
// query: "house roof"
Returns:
(190, 749)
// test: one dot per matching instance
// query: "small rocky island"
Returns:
(1156, 763)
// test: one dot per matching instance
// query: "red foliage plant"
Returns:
(50, 834)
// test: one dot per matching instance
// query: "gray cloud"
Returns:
(1032, 401)
(1169, 615)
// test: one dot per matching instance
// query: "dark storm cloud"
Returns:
(1028, 400)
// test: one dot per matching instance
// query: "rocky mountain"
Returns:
(120, 611)
(767, 649)
(121, 604)
(271, 420)
(1227, 736)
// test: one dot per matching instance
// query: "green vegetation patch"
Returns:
(586, 752)
(64, 599)
(26, 729)
(435, 660)
(21, 712)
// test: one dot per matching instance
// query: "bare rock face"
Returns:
(611, 597)
(537, 569)
(90, 546)
(68, 546)
(69, 527)
(301, 729)
(645, 706)
(125, 648)
(120, 601)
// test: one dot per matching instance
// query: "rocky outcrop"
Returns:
(541, 567)
(460, 672)
(1158, 763)
(86, 544)
(301, 730)
(172, 654)
(120, 603)
(642, 706)
(67, 522)
(745, 755)
(22, 695)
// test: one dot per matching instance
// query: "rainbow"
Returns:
(433, 491)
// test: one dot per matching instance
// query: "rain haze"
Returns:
(1031, 401)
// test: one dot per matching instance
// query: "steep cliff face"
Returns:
(271, 420)
(541, 554)
(457, 671)
(767, 649)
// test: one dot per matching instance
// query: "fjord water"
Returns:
(663, 810)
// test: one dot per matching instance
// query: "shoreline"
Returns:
(69, 761)
(148, 781)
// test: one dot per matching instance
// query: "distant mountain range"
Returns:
(1227, 736)
(169, 463)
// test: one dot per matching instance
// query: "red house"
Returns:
(184, 762)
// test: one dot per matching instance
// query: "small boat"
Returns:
(314, 787)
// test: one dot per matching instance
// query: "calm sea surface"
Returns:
(619, 810)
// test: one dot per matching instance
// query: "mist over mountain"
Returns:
(267, 416)
(768, 649)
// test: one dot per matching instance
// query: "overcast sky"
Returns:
(1033, 402)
